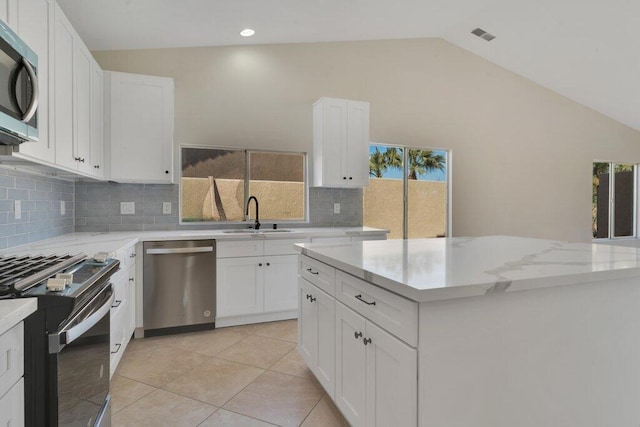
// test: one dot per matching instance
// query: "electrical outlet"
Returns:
(17, 209)
(62, 207)
(166, 208)
(127, 208)
(336, 208)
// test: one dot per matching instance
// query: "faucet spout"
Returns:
(257, 222)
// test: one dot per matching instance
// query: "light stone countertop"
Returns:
(92, 243)
(440, 269)
(13, 311)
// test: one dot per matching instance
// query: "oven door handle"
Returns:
(59, 340)
(33, 105)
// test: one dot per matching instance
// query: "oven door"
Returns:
(80, 353)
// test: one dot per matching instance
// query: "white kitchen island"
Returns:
(485, 332)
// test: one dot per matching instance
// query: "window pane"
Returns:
(277, 181)
(212, 185)
(427, 198)
(600, 200)
(383, 198)
(624, 189)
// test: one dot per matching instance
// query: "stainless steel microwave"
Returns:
(18, 89)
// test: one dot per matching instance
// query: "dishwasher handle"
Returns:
(168, 251)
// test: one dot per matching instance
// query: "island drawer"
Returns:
(321, 275)
(240, 248)
(394, 313)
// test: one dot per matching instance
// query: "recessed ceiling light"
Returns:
(247, 32)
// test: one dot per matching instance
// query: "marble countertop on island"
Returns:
(446, 268)
(13, 311)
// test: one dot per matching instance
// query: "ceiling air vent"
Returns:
(483, 34)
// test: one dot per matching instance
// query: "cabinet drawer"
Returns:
(11, 357)
(283, 246)
(321, 275)
(394, 313)
(241, 248)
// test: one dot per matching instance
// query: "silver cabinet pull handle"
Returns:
(31, 110)
(359, 297)
(312, 272)
(116, 304)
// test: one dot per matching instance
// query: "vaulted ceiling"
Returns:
(586, 50)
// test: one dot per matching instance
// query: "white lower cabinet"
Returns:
(123, 319)
(11, 372)
(370, 373)
(376, 373)
(316, 333)
(257, 288)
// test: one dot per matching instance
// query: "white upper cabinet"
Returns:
(340, 143)
(139, 128)
(76, 130)
(32, 21)
(9, 13)
(97, 119)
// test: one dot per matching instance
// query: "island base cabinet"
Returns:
(376, 374)
(12, 406)
(316, 333)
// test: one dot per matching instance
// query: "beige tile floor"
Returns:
(240, 376)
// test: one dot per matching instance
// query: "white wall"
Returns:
(522, 154)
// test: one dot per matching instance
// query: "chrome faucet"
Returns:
(257, 223)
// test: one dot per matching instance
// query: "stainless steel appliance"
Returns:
(18, 89)
(67, 349)
(179, 289)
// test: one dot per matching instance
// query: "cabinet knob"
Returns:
(96, 166)
(132, 255)
(116, 303)
(166, 172)
(344, 177)
(77, 159)
(81, 160)
(131, 279)
(357, 334)
(268, 264)
(312, 299)
(366, 341)
(350, 177)
(308, 296)
(260, 265)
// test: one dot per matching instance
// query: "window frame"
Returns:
(405, 184)
(247, 169)
(612, 198)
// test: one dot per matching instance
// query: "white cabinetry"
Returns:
(370, 373)
(9, 13)
(139, 127)
(123, 321)
(260, 287)
(74, 124)
(11, 372)
(376, 373)
(340, 143)
(316, 333)
(97, 119)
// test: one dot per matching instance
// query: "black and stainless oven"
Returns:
(67, 340)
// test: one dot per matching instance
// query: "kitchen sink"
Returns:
(252, 231)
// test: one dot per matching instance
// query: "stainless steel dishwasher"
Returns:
(179, 289)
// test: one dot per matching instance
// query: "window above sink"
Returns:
(216, 183)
